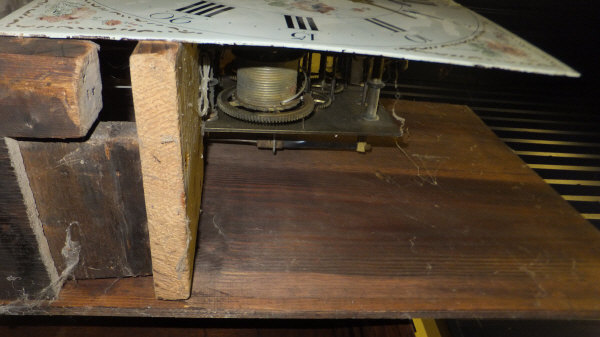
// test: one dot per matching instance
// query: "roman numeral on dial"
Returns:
(416, 2)
(299, 22)
(204, 8)
(386, 25)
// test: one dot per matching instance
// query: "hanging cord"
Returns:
(397, 117)
(300, 91)
(206, 76)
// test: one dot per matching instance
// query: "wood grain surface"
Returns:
(9, 6)
(165, 81)
(27, 270)
(49, 88)
(93, 189)
(451, 225)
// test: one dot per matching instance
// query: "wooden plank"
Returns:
(26, 266)
(333, 234)
(48, 88)
(451, 225)
(165, 81)
(93, 189)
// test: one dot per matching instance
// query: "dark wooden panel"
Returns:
(23, 273)
(49, 88)
(95, 188)
(452, 225)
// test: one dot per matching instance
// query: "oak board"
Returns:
(165, 80)
(451, 225)
(27, 269)
(93, 189)
(48, 88)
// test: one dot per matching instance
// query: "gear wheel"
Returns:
(306, 108)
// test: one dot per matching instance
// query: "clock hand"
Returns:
(402, 11)
(419, 2)
(427, 15)
(371, 3)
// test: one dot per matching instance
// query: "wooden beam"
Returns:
(452, 225)
(93, 189)
(164, 77)
(26, 267)
(48, 88)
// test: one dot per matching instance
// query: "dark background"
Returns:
(533, 109)
(568, 30)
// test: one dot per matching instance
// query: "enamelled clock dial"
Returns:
(399, 24)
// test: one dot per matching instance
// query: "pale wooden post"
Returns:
(164, 77)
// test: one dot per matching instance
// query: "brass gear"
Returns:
(306, 107)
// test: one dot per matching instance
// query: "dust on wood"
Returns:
(165, 82)
(97, 185)
(26, 265)
(49, 88)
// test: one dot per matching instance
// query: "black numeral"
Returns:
(204, 8)
(417, 38)
(385, 25)
(303, 36)
(300, 23)
(415, 2)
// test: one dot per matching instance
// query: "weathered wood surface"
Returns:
(26, 266)
(471, 232)
(9, 6)
(94, 190)
(164, 78)
(48, 88)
